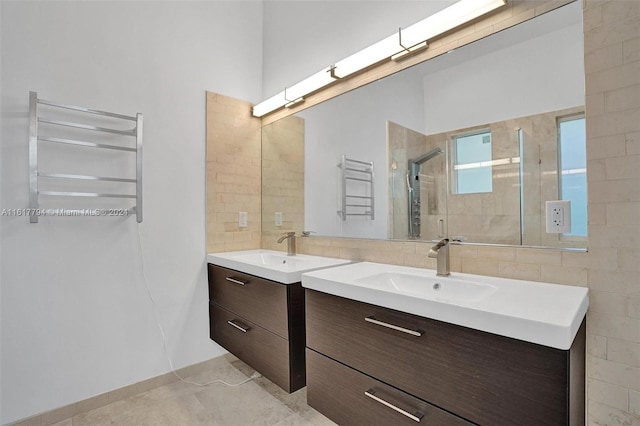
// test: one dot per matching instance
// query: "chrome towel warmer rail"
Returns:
(356, 203)
(36, 136)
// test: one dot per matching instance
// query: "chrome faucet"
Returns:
(291, 242)
(441, 252)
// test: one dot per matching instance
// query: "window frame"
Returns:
(559, 121)
(454, 157)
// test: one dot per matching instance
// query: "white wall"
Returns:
(355, 124)
(534, 76)
(76, 319)
(303, 37)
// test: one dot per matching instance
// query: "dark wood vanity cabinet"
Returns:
(445, 373)
(261, 322)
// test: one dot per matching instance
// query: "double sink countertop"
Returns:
(542, 313)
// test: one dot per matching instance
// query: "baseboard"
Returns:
(65, 412)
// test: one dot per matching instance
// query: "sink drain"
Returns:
(436, 286)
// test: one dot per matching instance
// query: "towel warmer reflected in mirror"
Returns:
(357, 200)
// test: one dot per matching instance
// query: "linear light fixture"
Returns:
(448, 19)
(409, 50)
(311, 84)
(293, 95)
(368, 56)
(294, 102)
(408, 40)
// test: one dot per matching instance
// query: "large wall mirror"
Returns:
(469, 145)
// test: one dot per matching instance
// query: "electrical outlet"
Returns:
(242, 219)
(558, 216)
(278, 216)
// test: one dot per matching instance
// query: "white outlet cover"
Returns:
(242, 219)
(278, 218)
(558, 216)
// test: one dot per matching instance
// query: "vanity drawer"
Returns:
(482, 377)
(338, 392)
(261, 349)
(260, 301)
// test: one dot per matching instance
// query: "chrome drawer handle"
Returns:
(243, 329)
(237, 281)
(372, 320)
(371, 394)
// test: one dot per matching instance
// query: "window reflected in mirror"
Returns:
(572, 167)
(471, 159)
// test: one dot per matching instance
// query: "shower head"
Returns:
(425, 157)
(414, 163)
(413, 187)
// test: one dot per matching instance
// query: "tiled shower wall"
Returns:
(404, 144)
(494, 217)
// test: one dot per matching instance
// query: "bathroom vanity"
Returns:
(458, 359)
(261, 322)
(256, 310)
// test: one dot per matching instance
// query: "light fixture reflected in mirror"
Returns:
(394, 47)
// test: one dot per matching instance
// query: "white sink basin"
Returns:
(542, 313)
(428, 287)
(269, 259)
(273, 265)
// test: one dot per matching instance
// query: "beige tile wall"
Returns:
(283, 175)
(509, 262)
(233, 174)
(612, 65)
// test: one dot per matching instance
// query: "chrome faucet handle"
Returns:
(291, 242)
(286, 235)
(433, 251)
(441, 252)
(443, 242)
(308, 233)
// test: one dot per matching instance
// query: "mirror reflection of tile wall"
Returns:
(405, 144)
(489, 217)
(283, 179)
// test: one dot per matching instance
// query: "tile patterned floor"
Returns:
(257, 402)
